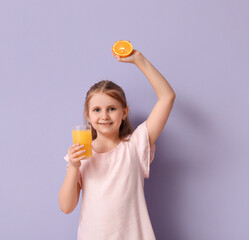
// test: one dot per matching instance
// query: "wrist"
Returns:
(140, 59)
(74, 166)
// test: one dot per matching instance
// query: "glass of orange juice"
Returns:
(82, 134)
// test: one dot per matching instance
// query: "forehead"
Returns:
(102, 100)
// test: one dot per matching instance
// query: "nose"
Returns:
(105, 115)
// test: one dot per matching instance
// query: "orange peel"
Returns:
(122, 48)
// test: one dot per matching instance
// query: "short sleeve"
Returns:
(79, 173)
(140, 138)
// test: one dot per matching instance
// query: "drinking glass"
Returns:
(82, 134)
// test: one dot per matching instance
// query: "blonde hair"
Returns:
(115, 91)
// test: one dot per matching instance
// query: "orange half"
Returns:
(122, 48)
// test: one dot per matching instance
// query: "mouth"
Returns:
(105, 124)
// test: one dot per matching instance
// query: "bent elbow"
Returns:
(66, 210)
(169, 98)
(173, 96)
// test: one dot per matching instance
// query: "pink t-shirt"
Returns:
(113, 205)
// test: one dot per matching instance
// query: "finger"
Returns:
(73, 146)
(78, 153)
(79, 147)
(79, 158)
(76, 148)
(123, 59)
(118, 57)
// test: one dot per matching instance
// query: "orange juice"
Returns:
(83, 137)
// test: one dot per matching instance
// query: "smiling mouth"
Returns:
(105, 124)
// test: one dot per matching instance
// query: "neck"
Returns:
(108, 140)
(104, 143)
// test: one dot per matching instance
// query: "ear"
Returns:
(125, 112)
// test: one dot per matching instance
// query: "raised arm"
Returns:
(165, 94)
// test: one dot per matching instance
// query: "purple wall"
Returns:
(52, 51)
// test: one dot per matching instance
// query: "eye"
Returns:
(112, 108)
(96, 109)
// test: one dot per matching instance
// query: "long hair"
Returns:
(115, 91)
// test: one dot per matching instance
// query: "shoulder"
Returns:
(140, 135)
(140, 130)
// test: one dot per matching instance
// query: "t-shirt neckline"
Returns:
(108, 151)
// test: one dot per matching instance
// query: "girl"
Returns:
(113, 205)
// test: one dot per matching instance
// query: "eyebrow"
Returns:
(107, 106)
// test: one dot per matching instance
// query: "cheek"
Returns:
(92, 117)
(119, 117)
(116, 115)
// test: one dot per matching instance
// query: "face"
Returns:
(106, 114)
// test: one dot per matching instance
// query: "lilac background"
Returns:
(51, 52)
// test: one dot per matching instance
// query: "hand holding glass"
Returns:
(82, 134)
